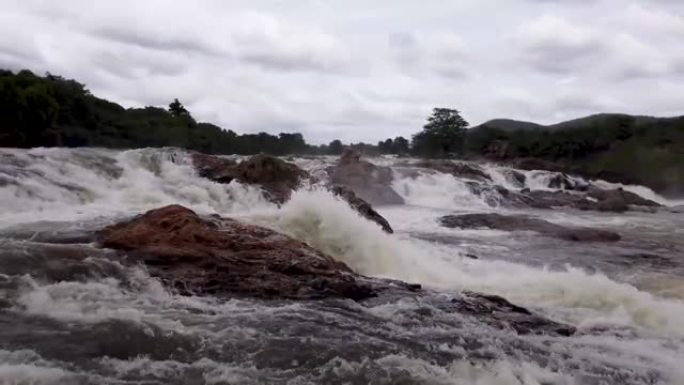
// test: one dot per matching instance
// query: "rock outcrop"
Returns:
(214, 256)
(525, 223)
(224, 258)
(591, 198)
(362, 207)
(368, 181)
(276, 177)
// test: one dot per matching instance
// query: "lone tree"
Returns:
(443, 135)
(335, 147)
(176, 108)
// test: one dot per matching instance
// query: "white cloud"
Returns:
(358, 70)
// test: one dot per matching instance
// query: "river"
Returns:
(101, 322)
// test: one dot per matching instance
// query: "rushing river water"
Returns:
(100, 322)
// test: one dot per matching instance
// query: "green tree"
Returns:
(386, 146)
(177, 109)
(443, 135)
(335, 147)
(401, 146)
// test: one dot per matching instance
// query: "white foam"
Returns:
(329, 225)
(63, 185)
(437, 190)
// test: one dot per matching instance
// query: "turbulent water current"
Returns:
(99, 322)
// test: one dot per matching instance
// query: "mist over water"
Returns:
(106, 323)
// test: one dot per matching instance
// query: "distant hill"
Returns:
(509, 125)
(619, 147)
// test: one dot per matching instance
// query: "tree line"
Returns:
(53, 111)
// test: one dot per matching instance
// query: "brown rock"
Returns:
(276, 177)
(525, 223)
(216, 168)
(195, 255)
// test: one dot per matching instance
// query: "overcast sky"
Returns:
(359, 69)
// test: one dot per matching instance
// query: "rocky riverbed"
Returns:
(160, 266)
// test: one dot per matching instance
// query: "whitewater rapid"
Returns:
(631, 327)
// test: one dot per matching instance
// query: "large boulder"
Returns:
(223, 258)
(457, 169)
(525, 223)
(368, 181)
(276, 177)
(214, 256)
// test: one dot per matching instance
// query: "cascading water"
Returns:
(102, 322)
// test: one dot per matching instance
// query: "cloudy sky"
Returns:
(359, 69)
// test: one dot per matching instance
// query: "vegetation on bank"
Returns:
(53, 111)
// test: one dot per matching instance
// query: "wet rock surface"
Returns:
(618, 199)
(564, 182)
(362, 207)
(199, 256)
(368, 181)
(195, 255)
(525, 223)
(589, 198)
(457, 169)
(277, 177)
(502, 313)
(516, 178)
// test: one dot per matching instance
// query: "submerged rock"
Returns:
(368, 181)
(502, 313)
(202, 256)
(525, 223)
